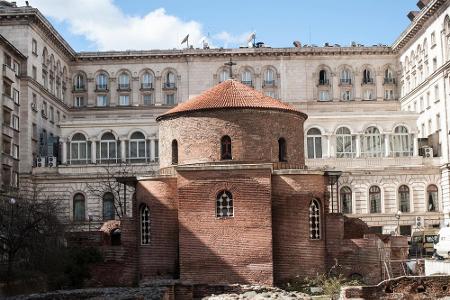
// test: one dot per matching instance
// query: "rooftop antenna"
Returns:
(251, 40)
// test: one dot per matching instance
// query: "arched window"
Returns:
(282, 151)
(145, 225)
(79, 150)
(108, 206)
(314, 220)
(346, 200)
(225, 148)
(224, 204)
(314, 143)
(174, 152)
(346, 76)
(124, 81)
(323, 77)
(372, 143)
(224, 75)
(403, 198)
(246, 78)
(375, 199)
(102, 82)
(79, 83)
(367, 76)
(401, 142)
(45, 56)
(147, 80)
(79, 207)
(432, 198)
(345, 143)
(169, 80)
(108, 148)
(269, 77)
(137, 147)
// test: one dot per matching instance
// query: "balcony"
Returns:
(389, 81)
(346, 81)
(269, 83)
(8, 131)
(9, 73)
(368, 81)
(101, 87)
(147, 86)
(124, 87)
(324, 82)
(7, 160)
(8, 102)
(247, 82)
(169, 86)
(79, 88)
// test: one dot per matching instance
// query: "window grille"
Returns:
(314, 220)
(224, 204)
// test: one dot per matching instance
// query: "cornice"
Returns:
(417, 24)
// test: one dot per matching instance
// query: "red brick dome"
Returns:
(230, 94)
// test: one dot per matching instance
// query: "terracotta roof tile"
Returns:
(229, 94)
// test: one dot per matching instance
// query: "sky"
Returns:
(102, 25)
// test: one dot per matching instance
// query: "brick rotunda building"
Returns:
(233, 202)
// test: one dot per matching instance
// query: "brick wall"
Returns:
(225, 250)
(254, 136)
(159, 259)
(295, 254)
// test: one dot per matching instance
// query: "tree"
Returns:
(30, 230)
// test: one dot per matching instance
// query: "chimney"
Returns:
(422, 3)
(412, 15)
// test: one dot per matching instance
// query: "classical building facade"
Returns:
(85, 114)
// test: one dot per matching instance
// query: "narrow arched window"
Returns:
(145, 225)
(79, 82)
(246, 78)
(102, 82)
(170, 80)
(367, 78)
(225, 148)
(375, 199)
(224, 74)
(314, 143)
(174, 152)
(108, 148)
(269, 77)
(137, 147)
(79, 209)
(372, 143)
(401, 142)
(323, 78)
(108, 206)
(346, 77)
(147, 80)
(282, 151)
(345, 143)
(314, 220)
(224, 204)
(432, 198)
(124, 81)
(403, 198)
(79, 150)
(346, 200)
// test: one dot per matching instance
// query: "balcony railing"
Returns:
(123, 87)
(247, 82)
(268, 83)
(324, 82)
(367, 81)
(389, 80)
(147, 86)
(9, 73)
(79, 88)
(346, 81)
(169, 85)
(101, 87)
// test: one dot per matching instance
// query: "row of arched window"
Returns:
(372, 143)
(403, 199)
(138, 149)
(247, 76)
(225, 209)
(53, 75)
(226, 149)
(346, 75)
(79, 207)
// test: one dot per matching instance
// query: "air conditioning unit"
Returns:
(427, 152)
(419, 222)
(51, 161)
(40, 162)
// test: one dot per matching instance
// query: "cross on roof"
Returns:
(230, 64)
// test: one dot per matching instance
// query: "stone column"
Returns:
(93, 151)
(386, 145)
(123, 157)
(64, 152)
(416, 145)
(152, 150)
(328, 139)
(358, 145)
(335, 88)
(379, 86)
